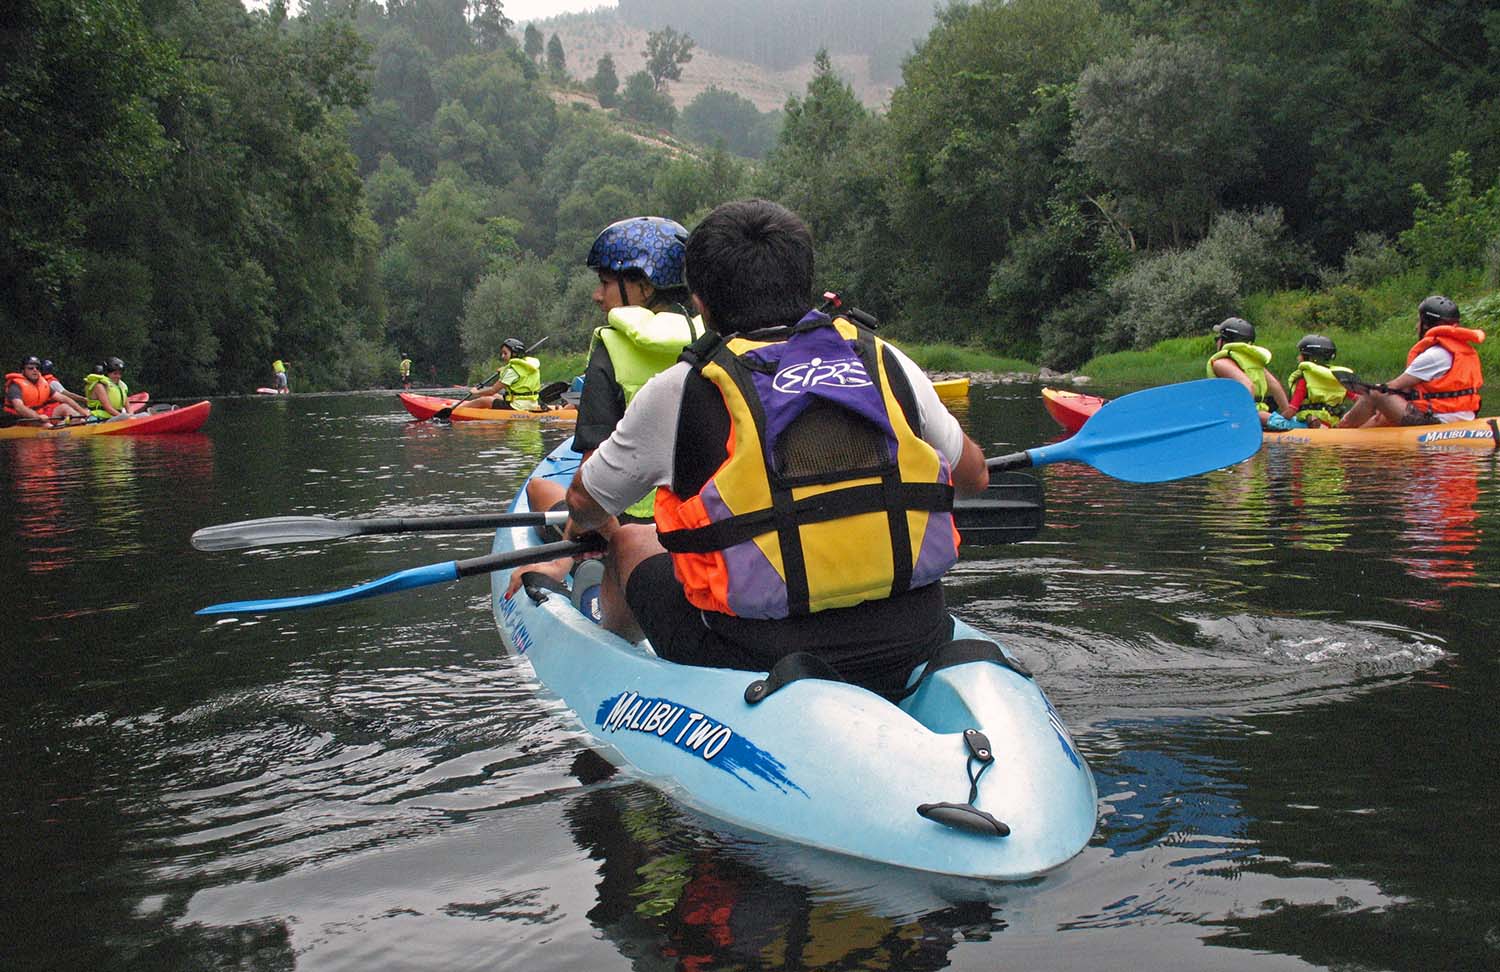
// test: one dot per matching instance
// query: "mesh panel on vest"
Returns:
(826, 439)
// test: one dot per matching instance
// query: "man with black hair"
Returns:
(806, 472)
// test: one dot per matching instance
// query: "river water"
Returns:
(1283, 675)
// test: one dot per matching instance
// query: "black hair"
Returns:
(751, 263)
(670, 297)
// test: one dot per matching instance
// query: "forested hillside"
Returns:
(783, 33)
(197, 188)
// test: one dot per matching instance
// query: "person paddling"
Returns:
(643, 295)
(1237, 356)
(1442, 379)
(516, 387)
(29, 396)
(766, 540)
(108, 395)
(405, 371)
(1318, 397)
(279, 379)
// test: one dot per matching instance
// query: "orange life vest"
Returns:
(1458, 389)
(33, 394)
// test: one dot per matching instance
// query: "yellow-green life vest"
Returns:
(1252, 359)
(522, 378)
(642, 344)
(405, 367)
(1326, 397)
(118, 392)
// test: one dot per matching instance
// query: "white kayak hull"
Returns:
(821, 763)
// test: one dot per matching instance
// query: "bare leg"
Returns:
(628, 546)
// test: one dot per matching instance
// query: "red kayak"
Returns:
(189, 418)
(1071, 409)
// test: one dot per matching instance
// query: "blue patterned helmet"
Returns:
(650, 244)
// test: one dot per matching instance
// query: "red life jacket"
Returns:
(33, 394)
(1458, 389)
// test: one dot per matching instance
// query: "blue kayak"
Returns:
(972, 774)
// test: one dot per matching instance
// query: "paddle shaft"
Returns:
(447, 411)
(302, 529)
(412, 577)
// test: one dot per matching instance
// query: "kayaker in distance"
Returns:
(1237, 356)
(278, 377)
(1442, 379)
(1318, 397)
(405, 371)
(516, 388)
(28, 395)
(108, 395)
(855, 580)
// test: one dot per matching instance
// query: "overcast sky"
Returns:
(522, 10)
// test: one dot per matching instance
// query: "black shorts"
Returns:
(875, 644)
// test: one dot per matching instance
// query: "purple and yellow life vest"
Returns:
(828, 496)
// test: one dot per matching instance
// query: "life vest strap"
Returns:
(1459, 393)
(869, 498)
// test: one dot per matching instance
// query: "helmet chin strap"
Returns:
(624, 297)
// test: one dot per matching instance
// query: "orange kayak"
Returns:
(188, 418)
(425, 407)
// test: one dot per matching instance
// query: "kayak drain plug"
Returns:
(966, 816)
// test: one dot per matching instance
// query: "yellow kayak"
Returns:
(952, 389)
(1479, 433)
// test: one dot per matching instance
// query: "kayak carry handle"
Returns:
(962, 816)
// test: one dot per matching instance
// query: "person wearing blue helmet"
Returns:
(642, 293)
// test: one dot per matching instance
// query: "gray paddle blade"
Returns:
(272, 530)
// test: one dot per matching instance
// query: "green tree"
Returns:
(391, 192)
(489, 23)
(643, 102)
(78, 124)
(606, 83)
(717, 115)
(1164, 127)
(437, 256)
(514, 298)
(666, 52)
(1457, 231)
(532, 43)
(974, 154)
(557, 62)
(826, 167)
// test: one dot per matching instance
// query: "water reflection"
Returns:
(1279, 673)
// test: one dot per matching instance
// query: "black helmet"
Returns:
(1317, 346)
(1235, 329)
(46, 366)
(113, 364)
(29, 360)
(1435, 310)
(515, 345)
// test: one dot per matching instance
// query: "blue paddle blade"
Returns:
(1164, 433)
(399, 581)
